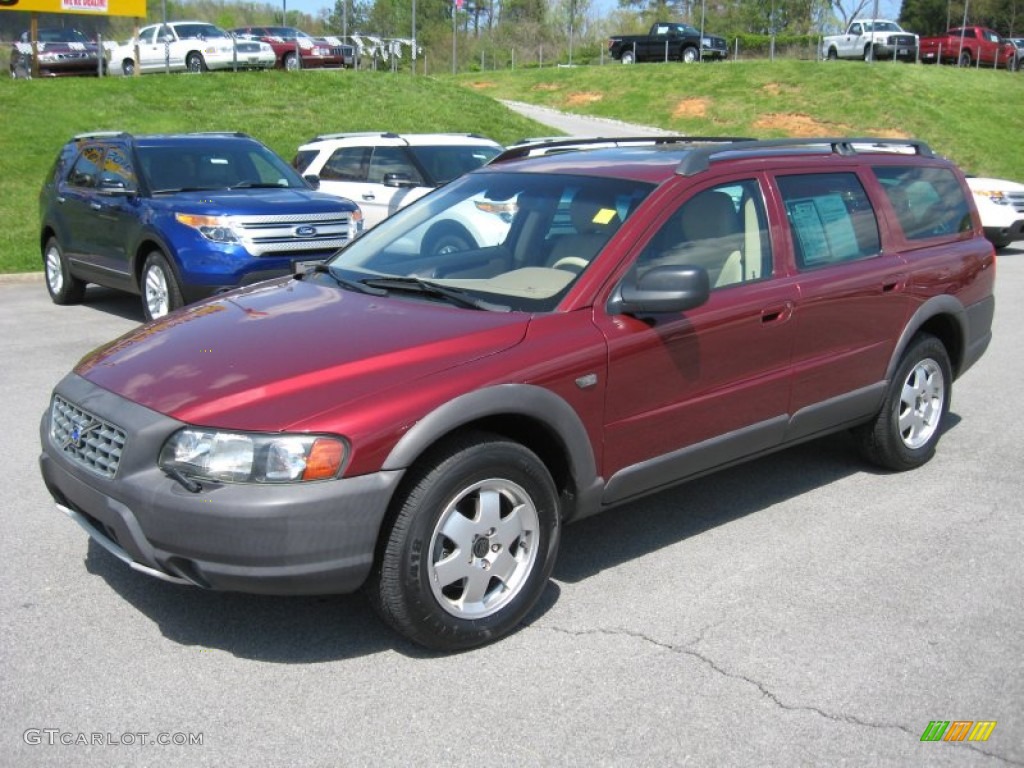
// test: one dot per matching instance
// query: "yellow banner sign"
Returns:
(95, 7)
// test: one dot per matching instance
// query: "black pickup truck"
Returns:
(667, 41)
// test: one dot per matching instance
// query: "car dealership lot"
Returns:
(801, 609)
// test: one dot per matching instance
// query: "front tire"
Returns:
(907, 429)
(472, 544)
(292, 63)
(195, 62)
(161, 293)
(64, 288)
(690, 55)
(448, 239)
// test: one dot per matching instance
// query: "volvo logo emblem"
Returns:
(79, 433)
(306, 231)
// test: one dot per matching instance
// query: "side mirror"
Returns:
(114, 185)
(661, 289)
(398, 180)
(312, 179)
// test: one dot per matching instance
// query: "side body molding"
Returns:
(531, 402)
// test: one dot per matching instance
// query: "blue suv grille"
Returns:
(285, 234)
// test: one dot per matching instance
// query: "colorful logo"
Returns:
(958, 730)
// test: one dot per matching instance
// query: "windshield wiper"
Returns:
(419, 285)
(352, 285)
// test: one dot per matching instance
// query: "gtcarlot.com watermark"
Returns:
(54, 736)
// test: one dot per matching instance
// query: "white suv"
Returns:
(1001, 205)
(383, 172)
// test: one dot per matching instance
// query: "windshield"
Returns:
(882, 26)
(61, 36)
(445, 163)
(514, 240)
(214, 165)
(199, 32)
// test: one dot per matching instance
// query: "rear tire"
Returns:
(965, 59)
(161, 293)
(63, 287)
(907, 429)
(627, 57)
(471, 547)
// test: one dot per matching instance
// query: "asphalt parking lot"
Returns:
(799, 610)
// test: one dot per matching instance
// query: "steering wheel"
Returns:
(570, 261)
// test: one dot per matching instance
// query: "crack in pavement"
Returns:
(687, 650)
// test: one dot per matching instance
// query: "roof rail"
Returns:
(700, 158)
(99, 135)
(351, 134)
(537, 147)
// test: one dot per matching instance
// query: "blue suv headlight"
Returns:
(218, 229)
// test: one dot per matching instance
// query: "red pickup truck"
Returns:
(970, 46)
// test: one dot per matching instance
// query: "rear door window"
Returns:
(830, 218)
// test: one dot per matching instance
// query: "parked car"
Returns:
(423, 425)
(668, 41)
(968, 47)
(179, 217)
(295, 49)
(59, 51)
(383, 172)
(1001, 206)
(871, 39)
(253, 54)
(181, 46)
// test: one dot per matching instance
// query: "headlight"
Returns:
(241, 457)
(355, 224)
(215, 228)
(997, 196)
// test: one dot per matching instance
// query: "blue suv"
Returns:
(177, 218)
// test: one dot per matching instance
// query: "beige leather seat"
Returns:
(712, 231)
(595, 221)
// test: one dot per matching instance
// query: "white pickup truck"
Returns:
(869, 39)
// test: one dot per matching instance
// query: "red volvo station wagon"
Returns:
(422, 424)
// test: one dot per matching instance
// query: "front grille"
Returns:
(903, 41)
(1016, 200)
(280, 234)
(85, 439)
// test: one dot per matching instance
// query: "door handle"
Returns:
(777, 314)
(369, 196)
(894, 284)
(96, 206)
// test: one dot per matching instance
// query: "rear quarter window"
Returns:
(929, 202)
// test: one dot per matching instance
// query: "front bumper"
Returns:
(304, 538)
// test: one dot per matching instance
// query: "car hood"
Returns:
(276, 354)
(987, 183)
(251, 202)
